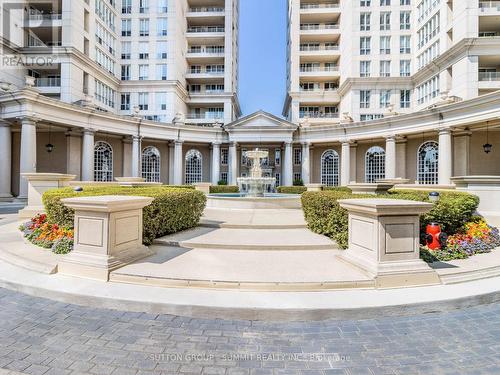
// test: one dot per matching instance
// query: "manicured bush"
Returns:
(222, 182)
(298, 182)
(291, 189)
(345, 189)
(324, 215)
(173, 209)
(224, 189)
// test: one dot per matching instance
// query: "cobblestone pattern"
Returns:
(39, 336)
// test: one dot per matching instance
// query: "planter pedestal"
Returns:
(371, 188)
(204, 187)
(39, 183)
(314, 187)
(108, 235)
(384, 241)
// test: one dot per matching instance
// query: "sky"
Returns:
(262, 60)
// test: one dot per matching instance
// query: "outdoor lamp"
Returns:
(49, 147)
(433, 196)
(487, 147)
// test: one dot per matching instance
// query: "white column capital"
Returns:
(5, 123)
(29, 120)
(88, 131)
(178, 142)
(444, 131)
(391, 138)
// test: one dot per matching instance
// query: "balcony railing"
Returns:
(489, 5)
(209, 72)
(48, 82)
(206, 9)
(205, 29)
(318, 115)
(308, 69)
(205, 116)
(319, 48)
(489, 76)
(319, 27)
(212, 50)
(44, 17)
(319, 5)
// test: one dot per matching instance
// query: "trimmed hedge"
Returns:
(172, 209)
(218, 189)
(324, 215)
(291, 189)
(344, 189)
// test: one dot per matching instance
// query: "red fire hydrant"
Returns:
(434, 238)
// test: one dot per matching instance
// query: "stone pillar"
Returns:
(5, 161)
(401, 157)
(288, 165)
(88, 155)
(306, 163)
(461, 153)
(136, 156)
(354, 163)
(390, 157)
(178, 163)
(445, 154)
(28, 153)
(73, 153)
(384, 241)
(345, 164)
(108, 235)
(215, 163)
(171, 156)
(127, 156)
(233, 164)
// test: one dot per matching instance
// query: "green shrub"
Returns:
(298, 182)
(172, 209)
(291, 189)
(344, 189)
(324, 215)
(222, 182)
(224, 189)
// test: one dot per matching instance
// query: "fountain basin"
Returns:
(244, 201)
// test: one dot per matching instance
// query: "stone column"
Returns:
(171, 156)
(136, 156)
(127, 157)
(5, 161)
(73, 153)
(288, 165)
(88, 155)
(345, 164)
(178, 163)
(401, 157)
(306, 163)
(233, 164)
(28, 153)
(215, 163)
(390, 157)
(461, 153)
(444, 165)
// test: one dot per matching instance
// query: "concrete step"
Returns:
(266, 270)
(248, 239)
(256, 219)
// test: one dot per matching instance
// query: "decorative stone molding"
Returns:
(367, 188)
(108, 235)
(135, 181)
(39, 183)
(384, 241)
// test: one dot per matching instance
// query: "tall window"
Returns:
(364, 21)
(161, 101)
(404, 98)
(385, 45)
(404, 68)
(224, 156)
(126, 48)
(364, 98)
(385, 68)
(385, 20)
(161, 50)
(374, 164)
(125, 72)
(143, 101)
(126, 27)
(365, 3)
(162, 6)
(194, 164)
(103, 162)
(404, 44)
(126, 6)
(161, 72)
(297, 156)
(151, 164)
(143, 72)
(330, 168)
(364, 68)
(125, 101)
(143, 6)
(277, 156)
(161, 26)
(385, 98)
(404, 20)
(144, 27)
(427, 163)
(365, 45)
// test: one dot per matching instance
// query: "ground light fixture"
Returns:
(434, 196)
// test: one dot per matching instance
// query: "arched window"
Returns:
(374, 164)
(194, 164)
(103, 162)
(330, 168)
(151, 164)
(427, 163)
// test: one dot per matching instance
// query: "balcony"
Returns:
(489, 81)
(318, 115)
(205, 119)
(205, 53)
(319, 72)
(319, 32)
(206, 34)
(204, 75)
(48, 85)
(322, 12)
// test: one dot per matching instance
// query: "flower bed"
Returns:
(49, 236)
(476, 237)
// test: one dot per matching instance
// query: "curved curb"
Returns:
(109, 298)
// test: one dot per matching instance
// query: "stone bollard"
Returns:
(314, 187)
(108, 235)
(39, 183)
(384, 241)
(204, 187)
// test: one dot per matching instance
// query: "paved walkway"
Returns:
(39, 336)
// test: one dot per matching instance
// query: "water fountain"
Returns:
(256, 185)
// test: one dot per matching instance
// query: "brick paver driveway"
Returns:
(39, 336)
